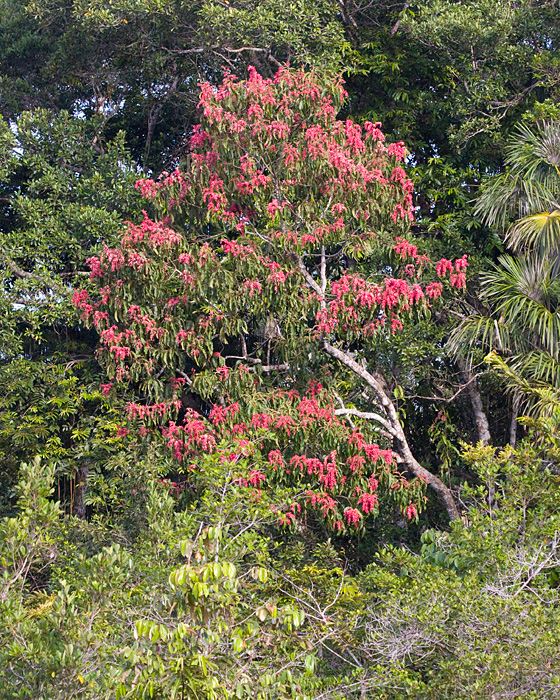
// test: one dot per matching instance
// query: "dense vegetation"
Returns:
(279, 365)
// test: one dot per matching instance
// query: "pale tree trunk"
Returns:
(513, 424)
(78, 504)
(391, 424)
(471, 387)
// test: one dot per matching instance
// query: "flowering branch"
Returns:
(274, 220)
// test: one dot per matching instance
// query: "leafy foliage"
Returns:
(213, 475)
(521, 293)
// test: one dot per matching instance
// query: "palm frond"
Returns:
(540, 231)
(538, 193)
(477, 332)
(524, 293)
(529, 186)
(537, 366)
(534, 150)
(512, 195)
(538, 398)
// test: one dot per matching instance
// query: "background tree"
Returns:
(69, 191)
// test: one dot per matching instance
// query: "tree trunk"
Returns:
(480, 418)
(78, 505)
(396, 429)
(513, 424)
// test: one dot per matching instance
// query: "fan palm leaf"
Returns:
(521, 331)
(529, 190)
(522, 293)
(479, 332)
(524, 296)
(540, 230)
(539, 398)
(511, 195)
(525, 293)
(538, 366)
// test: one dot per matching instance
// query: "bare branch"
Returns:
(368, 416)
(255, 361)
(308, 278)
(185, 377)
(408, 458)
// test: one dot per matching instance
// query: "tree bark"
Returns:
(78, 504)
(480, 418)
(513, 424)
(396, 429)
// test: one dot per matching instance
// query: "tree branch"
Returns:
(25, 275)
(308, 278)
(392, 417)
(368, 416)
(255, 361)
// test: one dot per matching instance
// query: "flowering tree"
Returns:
(250, 317)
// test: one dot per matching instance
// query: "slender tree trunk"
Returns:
(513, 424)
(78, 504)
(393, 425)
(480, 418)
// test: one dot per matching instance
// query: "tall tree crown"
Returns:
(277, 261)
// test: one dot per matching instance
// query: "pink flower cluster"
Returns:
(176, 181)
(352, 516)
(457, 276)
(155, 233)
(190, 437)
(154, 411)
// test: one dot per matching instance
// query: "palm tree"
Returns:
(521, 295)
(528, 191)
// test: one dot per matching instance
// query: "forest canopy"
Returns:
(279, 365)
